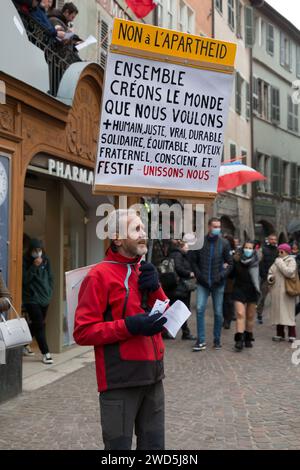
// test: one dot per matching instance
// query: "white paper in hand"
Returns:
(159, 306)
(176, 315)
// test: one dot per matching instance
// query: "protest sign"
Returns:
(73, 283)
(164, 110)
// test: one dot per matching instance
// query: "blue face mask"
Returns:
(248, 252)
(216, 231)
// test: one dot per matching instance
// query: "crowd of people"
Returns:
(238, 278)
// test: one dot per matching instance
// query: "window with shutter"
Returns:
(238, 10)
(276, 183)
(275, 105)
(238, 93)
(255, 102)
(231, 13)
(285, 175)
(293, 112)
(219, 5)
(247, 101)
(249, 26)
(282, 49)
(103, 31)
(270, 39)
(298, 61)
(294, 189)
(261, 166)
(285, 52)
(244, 161)
(232, 150)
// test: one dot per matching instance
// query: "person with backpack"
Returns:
(282, 304)
(186, 281)
(211, 265)
(128, 346)
(245, 294)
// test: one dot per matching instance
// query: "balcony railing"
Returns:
(58, 56)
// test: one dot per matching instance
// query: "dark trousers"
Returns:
(291, 331)
(37, 317)
(142, 408)
(228, 308)
(264, 287)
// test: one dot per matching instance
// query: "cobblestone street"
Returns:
(214, 400)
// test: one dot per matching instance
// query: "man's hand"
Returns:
(148, 280)
(145, 325)
(38, 261)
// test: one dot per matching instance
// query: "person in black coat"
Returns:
(211, 265)
(269, 254)
(245, 294)
(183, 268)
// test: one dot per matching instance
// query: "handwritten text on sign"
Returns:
(175, 44)
(162, 125)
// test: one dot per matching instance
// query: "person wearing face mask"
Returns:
(183, 268)
(246, 292)
(211, 266)
(37, 293)
(282, 304)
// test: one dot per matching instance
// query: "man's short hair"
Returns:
(213, 219)
(272, 235)
(70, 7)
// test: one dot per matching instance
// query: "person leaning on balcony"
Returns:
(39, 13)
(62, 18)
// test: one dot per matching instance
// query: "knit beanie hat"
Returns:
(285, 247)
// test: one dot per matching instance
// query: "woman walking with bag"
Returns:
(37, 293)
(186, 280)
(245, 294)
(282, 304)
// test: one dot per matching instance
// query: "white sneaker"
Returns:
(27, 351)
(47, 359)
(292, 339)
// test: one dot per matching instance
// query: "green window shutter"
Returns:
(249, 26)
(276, 176)
(275, 105)
(238, 93)
(247, 101)
(294, 181)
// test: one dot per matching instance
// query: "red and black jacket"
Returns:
(108, 294)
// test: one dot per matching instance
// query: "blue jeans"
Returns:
(217, 294)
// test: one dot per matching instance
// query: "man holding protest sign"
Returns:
(128, 345)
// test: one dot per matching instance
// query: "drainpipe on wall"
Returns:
(212, 18)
